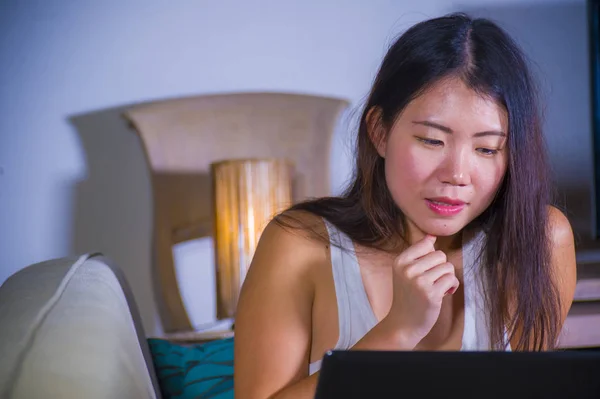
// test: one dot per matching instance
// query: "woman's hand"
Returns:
(422, 277)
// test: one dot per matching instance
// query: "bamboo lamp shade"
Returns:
(247, 194)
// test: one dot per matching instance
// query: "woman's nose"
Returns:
(456, 169)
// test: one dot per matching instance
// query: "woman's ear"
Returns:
(376, 130)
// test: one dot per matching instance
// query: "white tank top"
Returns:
(356, 316)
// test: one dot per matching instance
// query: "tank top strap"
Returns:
(355, 315)
(350, 289)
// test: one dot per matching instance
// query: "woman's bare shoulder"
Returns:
(296, 231)
(305, 223)
(561, 233)
(292, 243)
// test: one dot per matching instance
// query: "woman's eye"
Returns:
(487, 151)
(430, 141)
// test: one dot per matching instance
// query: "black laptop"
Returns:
(464, 375)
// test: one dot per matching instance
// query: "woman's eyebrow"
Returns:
(447, 130)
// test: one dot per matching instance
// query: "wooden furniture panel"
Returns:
(182, 137)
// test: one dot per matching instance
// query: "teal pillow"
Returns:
(194, 371)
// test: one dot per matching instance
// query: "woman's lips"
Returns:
(445, 206)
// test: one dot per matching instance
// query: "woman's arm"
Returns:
(274, 313)
(563, 260)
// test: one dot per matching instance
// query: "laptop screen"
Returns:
(465, 375)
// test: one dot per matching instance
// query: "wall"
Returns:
(72, 177)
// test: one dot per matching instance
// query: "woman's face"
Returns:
(445, 157)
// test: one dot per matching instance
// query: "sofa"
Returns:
(69, 328)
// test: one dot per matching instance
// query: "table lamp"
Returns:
(247, 194)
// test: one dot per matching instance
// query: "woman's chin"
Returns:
(439, 227)
(442, 228)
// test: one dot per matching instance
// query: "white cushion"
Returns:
(66, 331)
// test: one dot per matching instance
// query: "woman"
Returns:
(445, 238)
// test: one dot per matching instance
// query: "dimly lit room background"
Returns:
(73, 177)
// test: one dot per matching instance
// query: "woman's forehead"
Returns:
(450, 101)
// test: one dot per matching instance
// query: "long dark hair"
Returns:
(521, 293)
